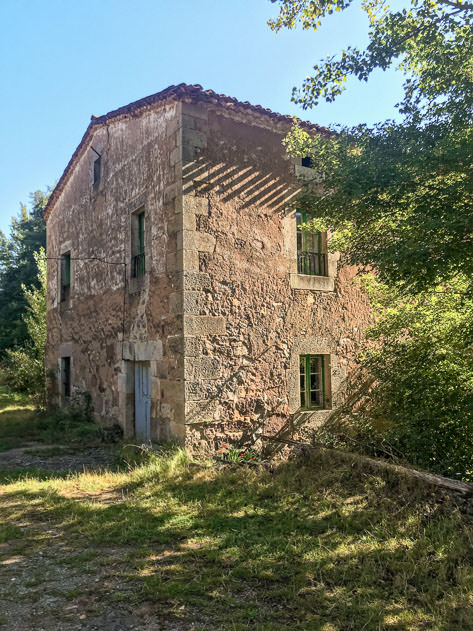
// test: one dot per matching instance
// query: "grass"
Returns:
(16, 419)
(323, 545)
(21, 424)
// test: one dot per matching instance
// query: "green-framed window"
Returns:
(138, 265)
(141, 232)
(312, 381)
(65, 276)
(311, 248)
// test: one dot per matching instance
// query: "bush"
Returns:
(24, 369)
(75, 421)
(420, 404)
(24, 372)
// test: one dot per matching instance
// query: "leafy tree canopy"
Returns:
(398, 196)
(18, 268)
(25, 366)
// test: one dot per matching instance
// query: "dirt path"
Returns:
(62, 589)
(56, 458)
(49, 582)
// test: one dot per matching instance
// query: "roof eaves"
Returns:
(172, 93)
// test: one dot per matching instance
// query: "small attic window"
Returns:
(307, 162)
(97, 170)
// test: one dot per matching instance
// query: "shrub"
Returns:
(24, 369)
(420, 404)
(75, 421)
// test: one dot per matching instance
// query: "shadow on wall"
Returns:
(204, 408)
(235, 181)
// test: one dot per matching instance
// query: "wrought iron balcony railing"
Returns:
(312, 263)
(138, 265)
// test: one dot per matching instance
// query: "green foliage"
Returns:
(430, 41)
(18, 267)
(233, 453)
(72, 424)
(398, 199)
(420, 406)
(21, 424)
(398, 196)
(423, 365)
(25, 366)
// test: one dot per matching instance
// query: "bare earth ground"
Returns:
(55, 458)
(50, 587)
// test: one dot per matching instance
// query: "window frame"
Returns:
(308, 258)
(65, 276)
(138, 243)
(307, 390)
(66, 384)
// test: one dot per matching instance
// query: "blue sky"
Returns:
(65, 60)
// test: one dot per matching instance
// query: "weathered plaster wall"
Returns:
(111, 319)
(246, 317)
(221, 315)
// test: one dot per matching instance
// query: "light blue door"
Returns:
(142, 401)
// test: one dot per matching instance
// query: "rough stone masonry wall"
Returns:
(112, 320)
(245, 322)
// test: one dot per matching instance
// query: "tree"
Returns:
(25, 365)
(398, 199)
(398, 196)
(18, 268)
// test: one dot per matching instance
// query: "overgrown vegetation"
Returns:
(419, 405)
(24, 366)
(21, 422)
(321, 545)
(398, 200)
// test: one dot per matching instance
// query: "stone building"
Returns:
(182, 294)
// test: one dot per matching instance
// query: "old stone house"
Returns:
(182, 295)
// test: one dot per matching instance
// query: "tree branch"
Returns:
(458, 4)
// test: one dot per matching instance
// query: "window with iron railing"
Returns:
(138, 260)
(312, 256)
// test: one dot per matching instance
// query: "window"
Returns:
(312, 381)
(138, 244)
(66, 377)
(65, 276)
(97, 170)
(306, 162)
(311, 249)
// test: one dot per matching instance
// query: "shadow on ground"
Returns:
(323, 545)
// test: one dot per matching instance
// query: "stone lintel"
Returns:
(143, 351)
(65, 349)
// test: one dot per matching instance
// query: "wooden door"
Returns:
(142, 401)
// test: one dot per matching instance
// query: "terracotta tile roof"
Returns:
(181, 92)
